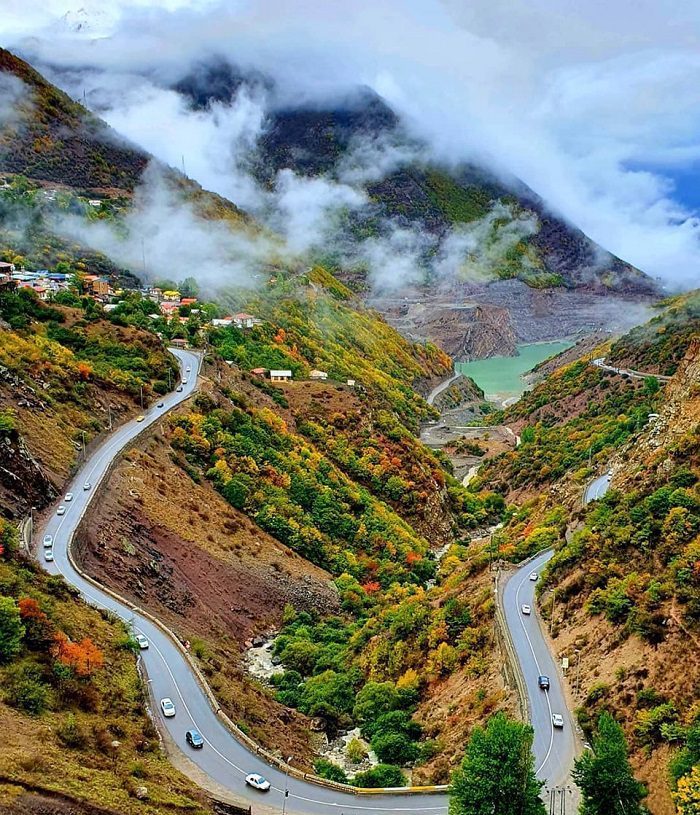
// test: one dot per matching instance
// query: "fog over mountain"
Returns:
(590, 127)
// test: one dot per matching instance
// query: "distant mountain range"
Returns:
(502, 247)
(316, 141)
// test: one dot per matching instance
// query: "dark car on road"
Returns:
(543, 682)
(194, 738)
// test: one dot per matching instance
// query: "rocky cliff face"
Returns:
(468, 331)
(23, 484)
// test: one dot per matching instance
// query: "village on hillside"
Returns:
(169, 305)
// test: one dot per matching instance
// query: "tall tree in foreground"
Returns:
(497, 774)
(604, 775)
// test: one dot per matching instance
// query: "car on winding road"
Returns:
(557, 720)
(48, 541)
(87, 486)
(533, 576)
(194, 739)
(257, 782)
(48, 555)
(168, 708)
(141, 641)
(61, 510)
(543, 682)
(525, 609)
(69, 496)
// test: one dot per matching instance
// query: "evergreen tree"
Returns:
(604, 775)
(11, 629)
(497, 775)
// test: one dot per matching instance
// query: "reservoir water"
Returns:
(501, 377)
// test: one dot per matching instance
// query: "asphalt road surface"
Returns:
(224, 759)
(597, 488)
(554, 747)
(441, 387)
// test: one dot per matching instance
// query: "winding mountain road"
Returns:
(600, 362)
(554, 747)
(224, 761)
(441, 387)
(597, 488)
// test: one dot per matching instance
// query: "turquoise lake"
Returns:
(501, 377)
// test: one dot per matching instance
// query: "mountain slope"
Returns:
(55, 139)
(52, 139)
(328, 140)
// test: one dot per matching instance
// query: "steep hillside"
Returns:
(55, 139)
(57, 142)
(316, 141)
(71, 693)
(628, 591)
(64, 376)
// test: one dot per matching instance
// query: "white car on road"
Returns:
(61, 510)
(48, 541)
(48, 555)
(258, 782)
(168, 708)
(557, 720)
(69, 496)
(533, 576)
(526, 609)
(87, 486)
(142, 643)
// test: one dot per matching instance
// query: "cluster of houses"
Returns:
(285, 375)
(45, 284)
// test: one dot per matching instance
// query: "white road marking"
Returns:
(539, 671)
(113, 606)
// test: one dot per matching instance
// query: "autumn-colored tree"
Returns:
(687, 796)
(83, 657)
(38, 627)
(84, 371)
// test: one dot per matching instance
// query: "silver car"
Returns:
(257, 782)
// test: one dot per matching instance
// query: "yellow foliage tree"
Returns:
(687, 796)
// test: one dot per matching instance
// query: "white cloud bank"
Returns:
(565, 94)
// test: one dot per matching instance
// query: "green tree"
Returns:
(383, 775)
(604, 775)
(374, 699)
(25, 690)
(11, 629)
(327, 769)
(394, 748)
(497, 775)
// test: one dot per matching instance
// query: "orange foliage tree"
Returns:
(83, 657)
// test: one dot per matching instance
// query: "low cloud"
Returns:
(589, 107)
(15, 100)
(163, 237)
